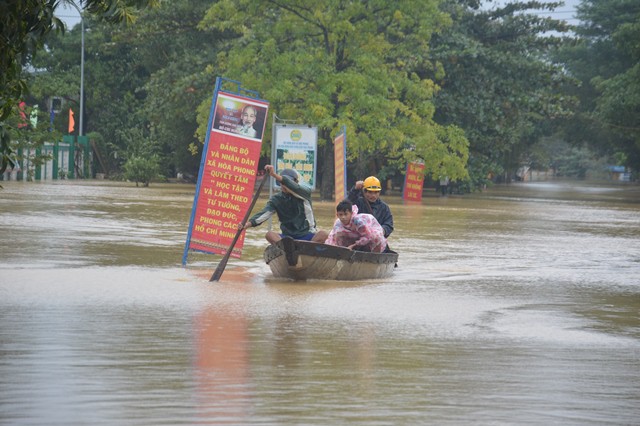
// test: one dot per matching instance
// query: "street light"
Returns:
(81, 126)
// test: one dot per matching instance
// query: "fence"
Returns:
(69, 159)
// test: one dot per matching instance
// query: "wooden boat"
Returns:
(305, 260)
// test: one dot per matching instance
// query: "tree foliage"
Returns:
(176, 53)
(148, 76)
(25, 27)
(28, 133)
(25, 24)
(142, 158)
(443, 81)
(615, 26)
(359, 64)
(607, 62)
(499, 83)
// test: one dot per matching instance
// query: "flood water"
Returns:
(517, 305)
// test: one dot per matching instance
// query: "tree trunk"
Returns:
(326, 167)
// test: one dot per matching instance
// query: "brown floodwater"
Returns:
(517, 305)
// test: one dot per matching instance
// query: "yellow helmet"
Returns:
(372, 184)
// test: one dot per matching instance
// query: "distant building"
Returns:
(619, 173)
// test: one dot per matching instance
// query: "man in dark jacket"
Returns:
(293, 207)
(366, 195)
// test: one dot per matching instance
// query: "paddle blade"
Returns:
(223, 263)
(219, 270)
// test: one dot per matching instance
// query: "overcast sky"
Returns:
(567, 12)
(68, 14)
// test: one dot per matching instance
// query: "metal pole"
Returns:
(81, 125)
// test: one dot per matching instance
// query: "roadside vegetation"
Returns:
(475, 90)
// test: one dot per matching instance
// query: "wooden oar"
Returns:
(223, 263)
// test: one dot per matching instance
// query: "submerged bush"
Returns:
(142, 170)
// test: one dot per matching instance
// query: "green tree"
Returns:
(113, 79)
(148, 75)
(362, 64)
(58, 76)
(606, 59)
(142, 161)
(176, 53)
(499, 84)
(28, 136)
(25, 25)
(142, 169)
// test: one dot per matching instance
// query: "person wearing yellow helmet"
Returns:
(365, 194)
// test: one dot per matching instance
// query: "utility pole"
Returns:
(81, 125)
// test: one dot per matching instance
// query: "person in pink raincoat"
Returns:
(356, 231)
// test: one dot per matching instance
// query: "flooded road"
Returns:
(518, 305)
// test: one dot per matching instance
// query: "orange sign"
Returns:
(72, 122)
(227, 174)
(413, 182)
(340, 165)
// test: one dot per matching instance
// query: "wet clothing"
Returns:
(294, 210)
(379, 209)
(307, 237)
(363, 230)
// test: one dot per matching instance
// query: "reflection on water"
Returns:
(519, 305)
(222, 366)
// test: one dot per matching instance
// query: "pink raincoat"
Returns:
(363, 230)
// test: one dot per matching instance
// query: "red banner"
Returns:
(23, 116)
(228, 175)
(339, 156)
(413, 182)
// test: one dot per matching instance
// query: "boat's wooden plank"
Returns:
(305, 260)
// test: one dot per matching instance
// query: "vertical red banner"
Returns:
(23, 115)
(413, 182)
(340, 166)
(228, 173)
(72, 122)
